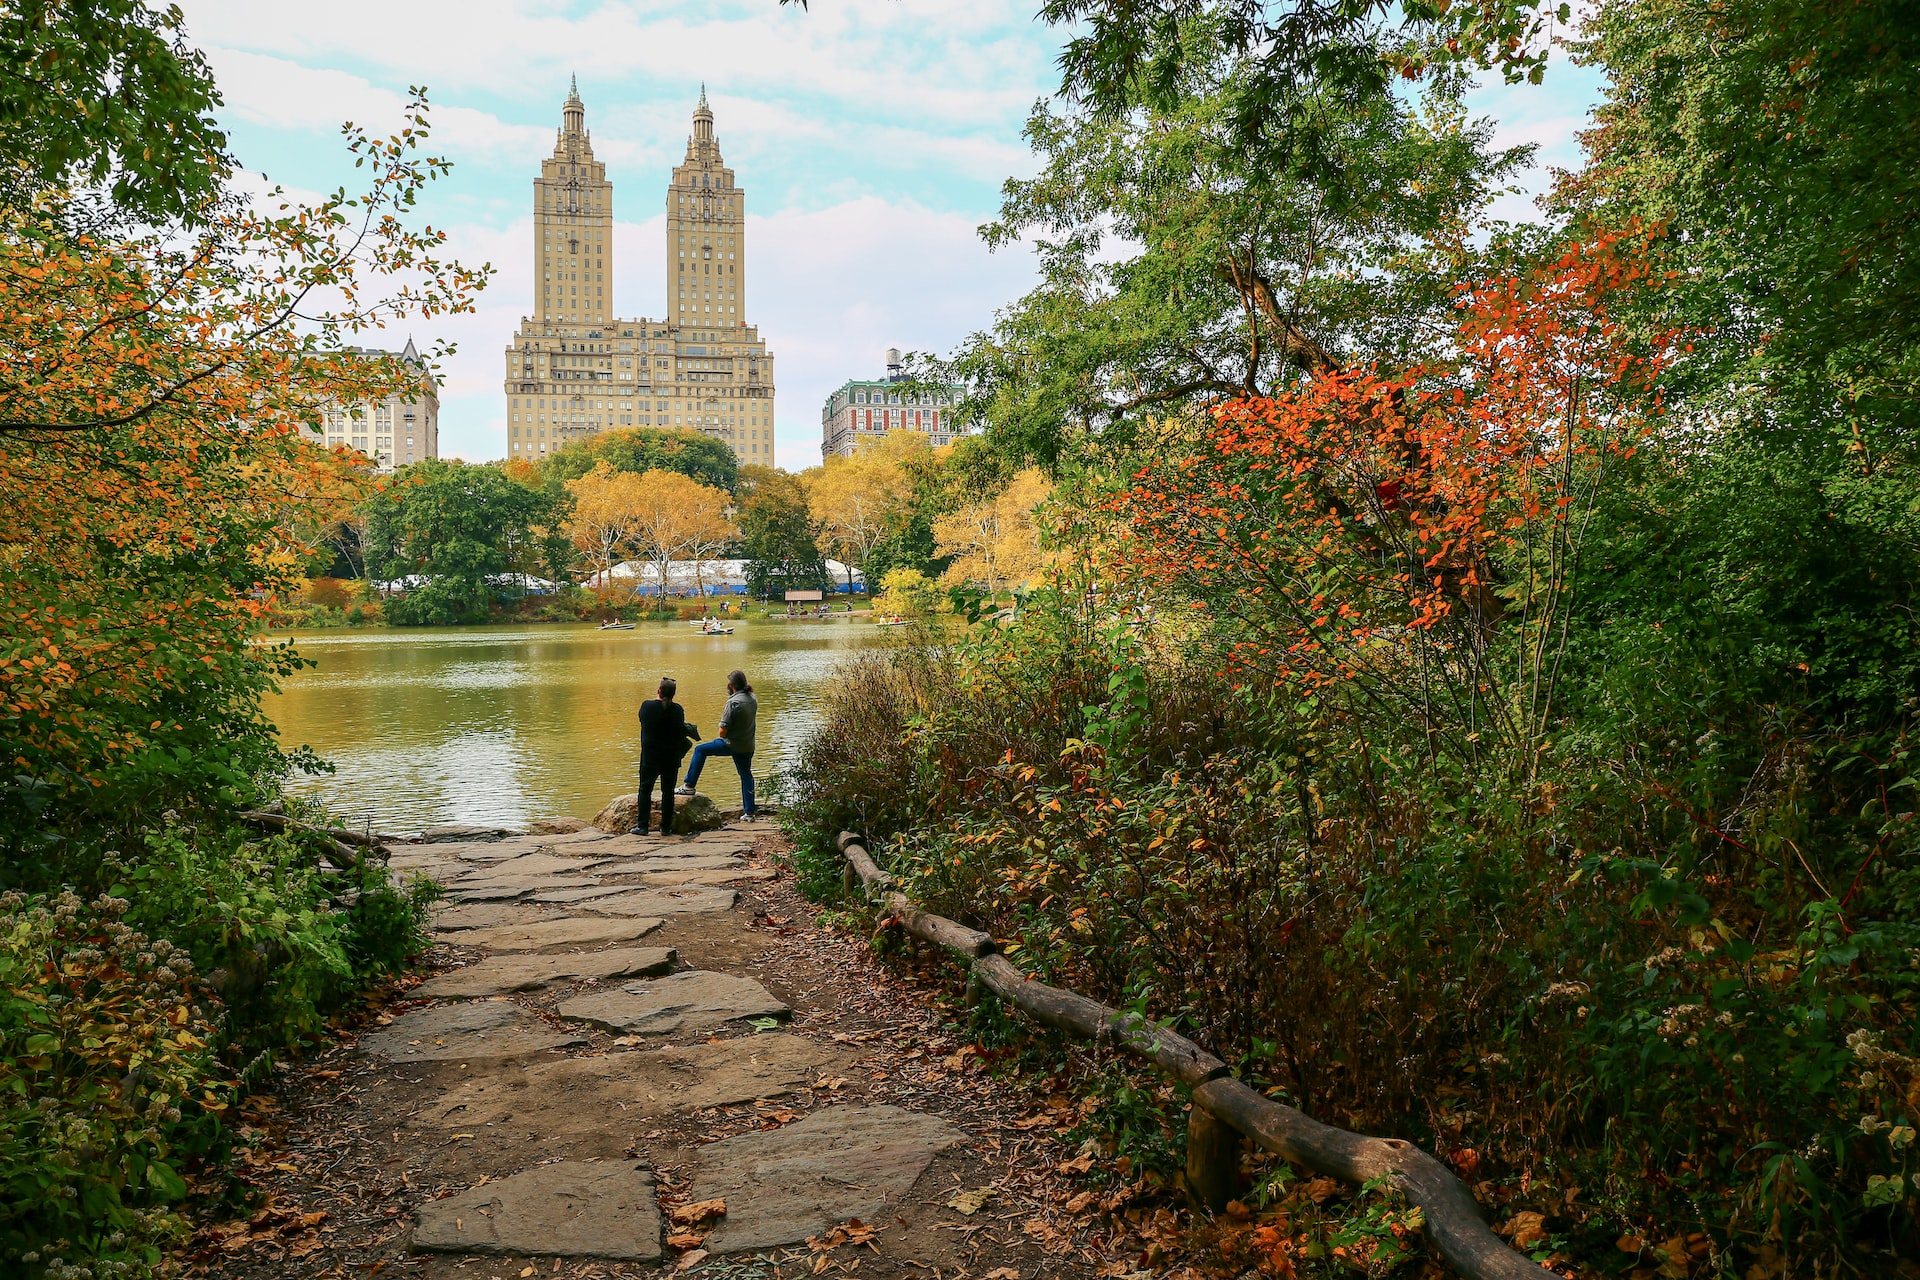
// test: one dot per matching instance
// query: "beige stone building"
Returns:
(575, 368)
(393, 432)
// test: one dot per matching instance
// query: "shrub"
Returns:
(330, 592)
(110, 1086)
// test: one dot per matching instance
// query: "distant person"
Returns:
(737, 722)
(664, 738)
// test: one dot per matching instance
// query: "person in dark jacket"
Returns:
(664, 738)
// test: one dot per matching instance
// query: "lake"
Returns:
(501, 725)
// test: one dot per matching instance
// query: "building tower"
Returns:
(706, 244)
(572, 218)
(574, 368)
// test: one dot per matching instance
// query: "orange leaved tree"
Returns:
(1413, 537)
(156, 390)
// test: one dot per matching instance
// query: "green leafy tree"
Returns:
(107, 95)
(643, 449)
(460, 527)
(1242, 274)
(778, 536)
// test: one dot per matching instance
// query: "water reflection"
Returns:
(505, 724)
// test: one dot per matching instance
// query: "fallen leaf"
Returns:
(686, 1240)
(1320, 1188)
(821, 1261)
(1525, 1230)
(830, 1083)
(693, 1259)
(1004, 1273)
(970, 1202)
(525, 1273)
(700, 1209)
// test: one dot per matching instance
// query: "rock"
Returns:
(487, 850)
(501, 975)
(663, 861)
(531, 864)
(460, 831)
(488, 915)
(697, 1000)
(507, 888)
(621, 815)
(581, 893)
(577, 1095)
(668, 879)
(490, 1031)
(556, 826)
(695, 813)
(663, 902)
(554, 935)
(572, 1209)
(690, 814)
(784, 1185)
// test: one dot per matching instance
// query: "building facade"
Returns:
(393, 432)
(860, 412)
(575, 368)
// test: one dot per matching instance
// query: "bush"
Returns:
(1613, 1016)
(110, 1086)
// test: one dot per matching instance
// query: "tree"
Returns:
(996, 539)
(107, 95)
(459, 526)
(674, 515)
(906, 592)
(778, 533)
(154, 404)
(1179, 271)
(858, 501)
(604, 515)
(641, 449)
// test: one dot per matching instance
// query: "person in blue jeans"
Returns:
(737, 721)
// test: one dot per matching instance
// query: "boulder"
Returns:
(556, 826)
(690, 814)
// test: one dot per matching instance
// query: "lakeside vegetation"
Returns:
(1473, 682)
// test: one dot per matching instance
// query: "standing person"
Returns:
(737, 723)
(664, 737)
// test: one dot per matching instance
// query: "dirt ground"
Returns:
(346, 1144)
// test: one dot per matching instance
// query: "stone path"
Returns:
(627, 1062)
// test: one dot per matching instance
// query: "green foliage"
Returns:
(110, 1086)
(643, 449)
(463, 528)
(107, 94)
(778, 535)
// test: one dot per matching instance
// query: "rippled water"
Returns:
(506, 724)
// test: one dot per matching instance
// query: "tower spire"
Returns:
(573, 114)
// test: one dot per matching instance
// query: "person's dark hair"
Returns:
(737, 681)
(668, 687)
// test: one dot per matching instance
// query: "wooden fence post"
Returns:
(1213, 1160)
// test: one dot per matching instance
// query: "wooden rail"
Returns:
(1222, 1106)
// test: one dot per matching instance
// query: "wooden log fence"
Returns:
(1224, 1109)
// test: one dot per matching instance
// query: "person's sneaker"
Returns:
(637, 831)
(683, 790)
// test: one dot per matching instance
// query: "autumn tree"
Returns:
(996, 539)
(604, 516)
(155, 395)
(674, 517)
(858, 501)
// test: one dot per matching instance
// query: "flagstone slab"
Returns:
(502, 975)
(529, 864)
(505, 890)
(667, 879)
(783, 1185)
(555, 935)
(488, 1031)
(583, 893)
(489, 915)
(581, 1095)
(671, 862)
(682, 1003)
(685, 900)
(569, 1209)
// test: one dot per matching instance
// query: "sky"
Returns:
(871, 138)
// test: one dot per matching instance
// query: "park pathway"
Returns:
(637, 1054)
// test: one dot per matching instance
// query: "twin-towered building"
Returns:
(575, 368)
